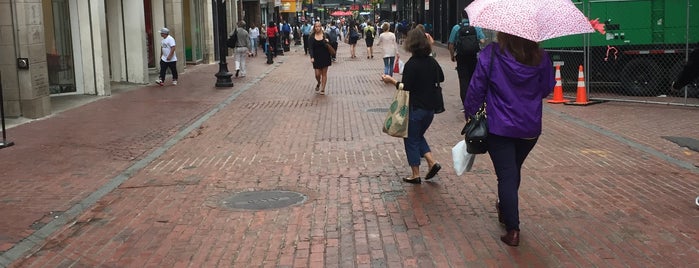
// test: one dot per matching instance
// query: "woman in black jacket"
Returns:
(421, 76)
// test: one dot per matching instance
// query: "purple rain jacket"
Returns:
(514, 97)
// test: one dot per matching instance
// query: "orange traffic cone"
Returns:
(558, 89)
(396, 69)
(581, 96)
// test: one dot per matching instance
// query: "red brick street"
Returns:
(145, 178)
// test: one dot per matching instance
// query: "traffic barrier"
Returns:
(558, 89)
(581, 96)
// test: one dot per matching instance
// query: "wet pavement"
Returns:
(182, 176)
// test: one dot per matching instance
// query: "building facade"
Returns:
(59, 47)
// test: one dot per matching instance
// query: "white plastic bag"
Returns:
(400, 66)
(463, 161)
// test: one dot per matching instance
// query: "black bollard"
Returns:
(4, 143)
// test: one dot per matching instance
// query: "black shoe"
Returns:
(413, 180)
(237, 72)
(433, 171)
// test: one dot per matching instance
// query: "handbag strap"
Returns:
(490, 70)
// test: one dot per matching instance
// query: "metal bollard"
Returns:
(4, 142)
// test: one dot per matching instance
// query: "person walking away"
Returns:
(254, 37)
(168, 57)
(286, 33)
(306, 32)
(389, 45)
(272, 33)
(241, 48)
(369, 34)
(263, 38)
(512, 77)
(333, 33)
(421, 75)
(689, 72)
(320, 56)
(353, 37)
(464, 44)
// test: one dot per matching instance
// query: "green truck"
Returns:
(644, 47)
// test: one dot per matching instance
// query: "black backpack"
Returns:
(467, 42)
(233, 39)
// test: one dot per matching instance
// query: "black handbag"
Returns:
(476, 129)
(476, 132)
(439, 98)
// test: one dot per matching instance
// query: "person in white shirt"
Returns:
(168, 57)
(241, 48)
(387, 41)
(254, 35)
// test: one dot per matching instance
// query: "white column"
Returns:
(135, 42)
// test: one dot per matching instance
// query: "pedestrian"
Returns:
(254, 37)
(272, 34)
(286, 34)
(306, 31)
(263, 38)
(241, 48)
(690, 72)
(421, 75)
(334, 34)
(320, 56)
(389, 45)
(512, 77)
(462, 51)
(168, 57)
(369, 34)
(353, 37)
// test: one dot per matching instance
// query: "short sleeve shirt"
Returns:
(166, 45)
(455, 32)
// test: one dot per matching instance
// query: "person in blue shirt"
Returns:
(465, 64)
(286, 34)
(306, 32)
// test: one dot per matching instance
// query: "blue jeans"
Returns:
(415, 144)
(508, 155)
(388, 65)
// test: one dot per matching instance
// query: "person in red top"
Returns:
(272, 32)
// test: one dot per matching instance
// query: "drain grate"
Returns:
(259, 200)
(690, 143)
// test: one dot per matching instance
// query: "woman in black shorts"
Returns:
(353, 36)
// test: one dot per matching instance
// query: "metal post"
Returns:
(223, 77)
(4, 142)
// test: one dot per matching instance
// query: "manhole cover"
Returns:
(258, 200)
(378, 110)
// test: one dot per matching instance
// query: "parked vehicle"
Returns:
(644, 48)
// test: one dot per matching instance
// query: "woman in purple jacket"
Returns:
(512, 77)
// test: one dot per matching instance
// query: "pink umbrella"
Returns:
(536, 20)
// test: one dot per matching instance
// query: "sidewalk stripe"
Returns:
(619, 138)
(38, 238)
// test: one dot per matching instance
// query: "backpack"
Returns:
(370, 33)
(232, 40)
(467, 41)
(332, 34)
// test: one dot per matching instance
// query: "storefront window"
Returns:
(59, 48)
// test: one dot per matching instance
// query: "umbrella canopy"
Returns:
(536, 20)
(340, 13)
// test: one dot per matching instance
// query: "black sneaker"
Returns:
(237, 72)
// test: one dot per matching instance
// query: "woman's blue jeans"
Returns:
(508, 155)
(415, 144)
(388, 65)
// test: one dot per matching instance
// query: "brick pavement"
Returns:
(139, 179)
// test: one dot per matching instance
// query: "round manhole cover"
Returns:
(258, 200)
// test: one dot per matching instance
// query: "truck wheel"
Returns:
(692, 88)
(641, 77)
